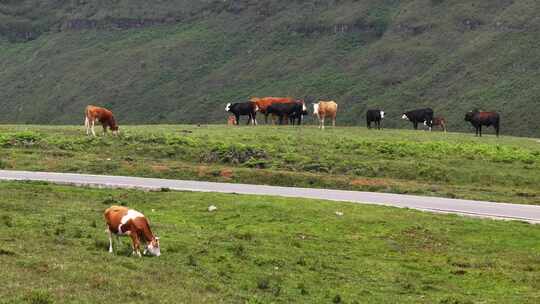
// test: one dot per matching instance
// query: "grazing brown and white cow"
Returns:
(124, 221)
(104, 116)
(324, 109)
(438, 121)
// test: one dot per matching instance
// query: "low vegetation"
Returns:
(451, 165)
(257, 250)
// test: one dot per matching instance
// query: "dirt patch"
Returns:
(368, 182)
(160, 168)
(226, 173)
(202, 171)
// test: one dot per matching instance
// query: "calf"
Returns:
(104, 116)
(479, 119)
(231, 120)
(324, 109)
(123, 221)
(374, 116)
(419, 116)
(289, 110)
(243, 108)
(438, 121)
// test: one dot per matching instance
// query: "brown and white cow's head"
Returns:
(153, 247)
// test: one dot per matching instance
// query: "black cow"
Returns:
(243, 108)
(479, 119)
(297, 117)
(292, 110)
(420, 116)
(374, 116)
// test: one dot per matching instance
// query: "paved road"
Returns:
(526, 213)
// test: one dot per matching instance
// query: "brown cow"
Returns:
(479, 119)
(324, 109)
(124, 221)
(438, 121)
(104, 116)
(265, 102)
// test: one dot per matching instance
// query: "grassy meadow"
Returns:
(53, 249)
(452, 165)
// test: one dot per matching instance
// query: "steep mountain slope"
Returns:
(181, 61)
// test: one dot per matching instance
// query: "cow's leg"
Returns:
(104, 129)
(255, 118)
(322, 123)
(93, 122)
(480, 130)
(110, 241)
(135, 244)
(415, 124)
(237, 119)
(87, 125)
(333, 121)
(266, 118)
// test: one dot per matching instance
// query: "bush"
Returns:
(235, 154)
(24, 138)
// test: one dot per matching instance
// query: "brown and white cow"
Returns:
(104, 116)
(124, 221)
(438, 121)
(324, 109)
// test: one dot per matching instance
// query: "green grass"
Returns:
(505, 169)
(450, 55)
(257, 250)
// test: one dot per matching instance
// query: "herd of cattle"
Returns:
(122, 221)
(290, 110)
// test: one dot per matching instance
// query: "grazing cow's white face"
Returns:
(404, 117)
(315, 108)
(228, 107)
(153, 247)
(382, 114)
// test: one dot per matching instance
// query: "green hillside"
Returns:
(181, 61)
